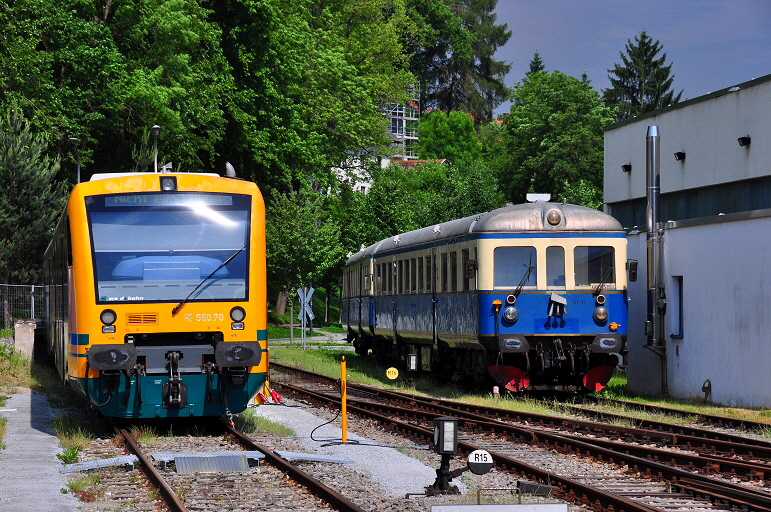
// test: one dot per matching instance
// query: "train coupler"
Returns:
(174, 391)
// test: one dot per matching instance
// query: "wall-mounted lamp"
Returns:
(626, 167)
(744, 141)
(679, 155)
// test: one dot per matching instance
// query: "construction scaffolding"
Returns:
(403, 127)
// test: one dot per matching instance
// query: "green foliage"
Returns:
(643, 83)
(453, 55)
(303, 241)
(451, 136)
(310, 77)
(30, 199)
(405, 199)
(536, 65)
(69, 455)
(554, 140)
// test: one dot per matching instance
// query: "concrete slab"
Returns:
(29, 470)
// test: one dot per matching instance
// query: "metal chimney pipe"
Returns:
(654, 325)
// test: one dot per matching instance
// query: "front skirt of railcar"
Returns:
(155, 380)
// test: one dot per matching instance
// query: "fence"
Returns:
(19, 302)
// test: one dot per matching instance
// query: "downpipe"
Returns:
(656, 298)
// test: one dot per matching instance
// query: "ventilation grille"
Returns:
(142, 319)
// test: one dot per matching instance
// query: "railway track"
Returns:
(276, 485)
(613, 475)
(700, 417)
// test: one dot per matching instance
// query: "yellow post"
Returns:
(343, 394)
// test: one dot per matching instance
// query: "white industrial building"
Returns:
(715, 225)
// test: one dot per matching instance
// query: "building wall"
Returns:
(720, 265)
(706, 129)
(726, 290)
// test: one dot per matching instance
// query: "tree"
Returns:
(451, 136)
(310, 77)
(30, 199)
(536, 65)
(643, 83)
(303, 240)
(554, 138)
(453, 56)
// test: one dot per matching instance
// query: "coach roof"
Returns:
(520, 218)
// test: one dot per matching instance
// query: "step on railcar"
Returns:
(530, 297)
(156, 294)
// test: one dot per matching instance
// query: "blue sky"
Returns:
(712, 44)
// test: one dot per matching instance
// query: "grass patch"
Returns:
(277, 332)
(14, 368)
(87, 487)
(145, 434)
(248, 422)
(74, 432)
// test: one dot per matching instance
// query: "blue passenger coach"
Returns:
(530, 296)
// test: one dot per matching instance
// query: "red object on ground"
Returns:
(510, 377)
(598, 377)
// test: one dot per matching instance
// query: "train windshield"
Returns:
(594, 266)
(159, 247)
(514, 265)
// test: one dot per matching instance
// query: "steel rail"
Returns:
(324, 492)
(761, 500)
(571, 490)
(168, 495)
(713, 419)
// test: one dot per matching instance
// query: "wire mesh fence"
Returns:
(19, 302)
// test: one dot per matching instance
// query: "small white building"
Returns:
(715, 182)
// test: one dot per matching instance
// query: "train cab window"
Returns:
(466, 278)
(161, 246)
(400, 277)
(420, 275)
(378, 281)
(593, 266)
(512, 265)
(555, 267)
(413, 275)
(391, 272)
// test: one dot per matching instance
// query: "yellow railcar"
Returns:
(156, 294)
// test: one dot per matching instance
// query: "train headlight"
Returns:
(511, 314)
(553, 217)
(600, 300)
(108, 318)
(169, 183)
(600, 314)
(237, 314)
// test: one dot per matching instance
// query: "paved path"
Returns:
(29, 469)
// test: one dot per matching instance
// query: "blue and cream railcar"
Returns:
(531, 296)
(156, 294)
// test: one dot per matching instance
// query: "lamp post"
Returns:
(75, 141)
(156, 131)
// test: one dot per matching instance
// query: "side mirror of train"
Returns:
(631, 268)
(471, 269)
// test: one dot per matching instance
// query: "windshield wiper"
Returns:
(525, 277)
(605, 278)
(183, 301)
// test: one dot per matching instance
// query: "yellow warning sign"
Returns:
(392, 373)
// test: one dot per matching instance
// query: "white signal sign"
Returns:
(306, 308)
(480, 462)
